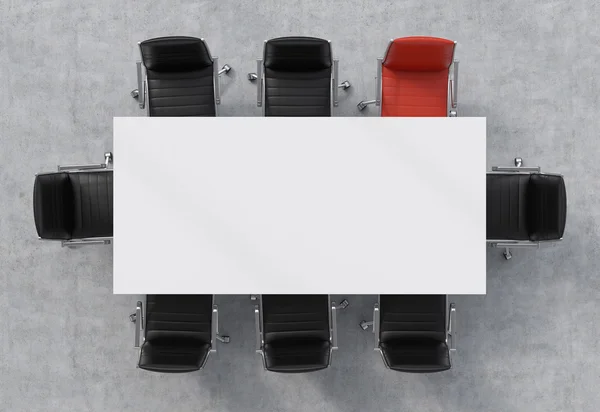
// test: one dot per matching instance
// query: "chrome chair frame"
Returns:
(450, 328)
(258, 322)
(452, 84)
(142, 80)
(98, 167)
(258, 77)
(508, 244)
(139, 320)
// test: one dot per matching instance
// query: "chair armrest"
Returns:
(378, 81)
(139, 324)
(216, 79)
(141, 82)
(334, 82)
(214, 328)
(454, 86)
(376, 324)
(259, 82)
(333, 326)
(451, 332)
(259, 339)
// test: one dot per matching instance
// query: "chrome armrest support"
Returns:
(259, 82)
(451, 333)
(516, 169)
(378, 82)
(376, 324)
(139, 324)
(141, 84)
(454, 86)
(217, 80)
(515, 244)
(259, 338)
(334, 339)
(214, 331)
(100, 166)
(334, 84)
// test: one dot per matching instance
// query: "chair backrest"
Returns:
(547, 207)
(177, 333)
(297, 73)
(180, 76)
(415, 77)
(412, 332)
(296, 332)
(73, 205)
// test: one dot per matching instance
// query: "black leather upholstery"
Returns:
(53, 206)
(507, 206)
(73, 205)
(413, 332)
(180, 77)
(547, 212)
(526, 207)
(296, 332)
(178, 332)
(297, 77)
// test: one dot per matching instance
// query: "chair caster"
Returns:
(223, 339)
(225, 69)
(518, 161)
(252, 77)
(253, 297)
(453, 113)
(132, 317)
(364, 325)
(108, 158)
(343, 304)
(345, 85)
(361, 106)
(507, 254)
(135, 93)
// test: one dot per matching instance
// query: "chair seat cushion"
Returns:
(414, 94)
(185, 357)
(416, 356)
(507, 199)
(297, 356)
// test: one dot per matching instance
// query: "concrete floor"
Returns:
(530, 344)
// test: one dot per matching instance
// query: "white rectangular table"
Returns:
(299, 205)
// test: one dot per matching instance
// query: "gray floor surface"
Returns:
(530, 344)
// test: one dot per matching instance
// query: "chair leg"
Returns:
(507, 254)
(225, 69)
(361, 105)
(364, 325)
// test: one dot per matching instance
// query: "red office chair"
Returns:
(415, 79)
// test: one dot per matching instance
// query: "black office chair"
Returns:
(75, 204)
(297, 76)
(296, 333)
(181, 77)
(179, 332)
(524, 207)
(414, 333)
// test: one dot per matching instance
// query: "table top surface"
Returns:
(299, 205)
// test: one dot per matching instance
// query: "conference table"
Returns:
(251, 205)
